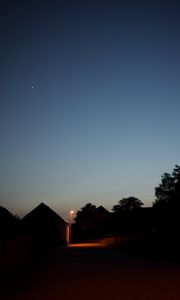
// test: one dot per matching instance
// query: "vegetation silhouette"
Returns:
(146, 231)
(165, 237)
(127, 204)
(168, 191)
(91, 222)
(84, 213)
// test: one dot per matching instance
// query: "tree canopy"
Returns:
(85, 212)
(127, 204)
(168, 191)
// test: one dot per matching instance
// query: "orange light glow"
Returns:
(90, 245)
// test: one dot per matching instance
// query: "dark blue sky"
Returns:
(90, 101)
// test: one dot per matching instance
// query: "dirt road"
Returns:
(91, 271)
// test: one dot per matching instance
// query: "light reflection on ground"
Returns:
(86, 245)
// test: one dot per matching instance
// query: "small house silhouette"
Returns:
(47, 228)
(8, 224)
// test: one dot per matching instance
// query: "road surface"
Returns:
(92, 271)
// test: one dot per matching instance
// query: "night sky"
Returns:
(89, 101)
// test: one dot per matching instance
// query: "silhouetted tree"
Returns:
(176, 175)
(84, 213)
(166, 213)
(168, 191)
(127, 204)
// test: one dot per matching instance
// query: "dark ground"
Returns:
(91, 271)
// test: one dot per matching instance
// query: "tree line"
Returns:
(156, 227)
(167, 196)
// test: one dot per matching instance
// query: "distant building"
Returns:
(47, 228)
(15, 249)
(101, 214)
(95, 225)
(8, 224)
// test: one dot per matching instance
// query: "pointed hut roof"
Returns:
(40, 216)
(101, 213)
(8, 223)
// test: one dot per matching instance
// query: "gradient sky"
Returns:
(89, 101)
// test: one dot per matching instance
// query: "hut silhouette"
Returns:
(47, 228)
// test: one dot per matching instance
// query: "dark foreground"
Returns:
(91, 271)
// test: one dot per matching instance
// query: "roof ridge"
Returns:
(42, 205)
